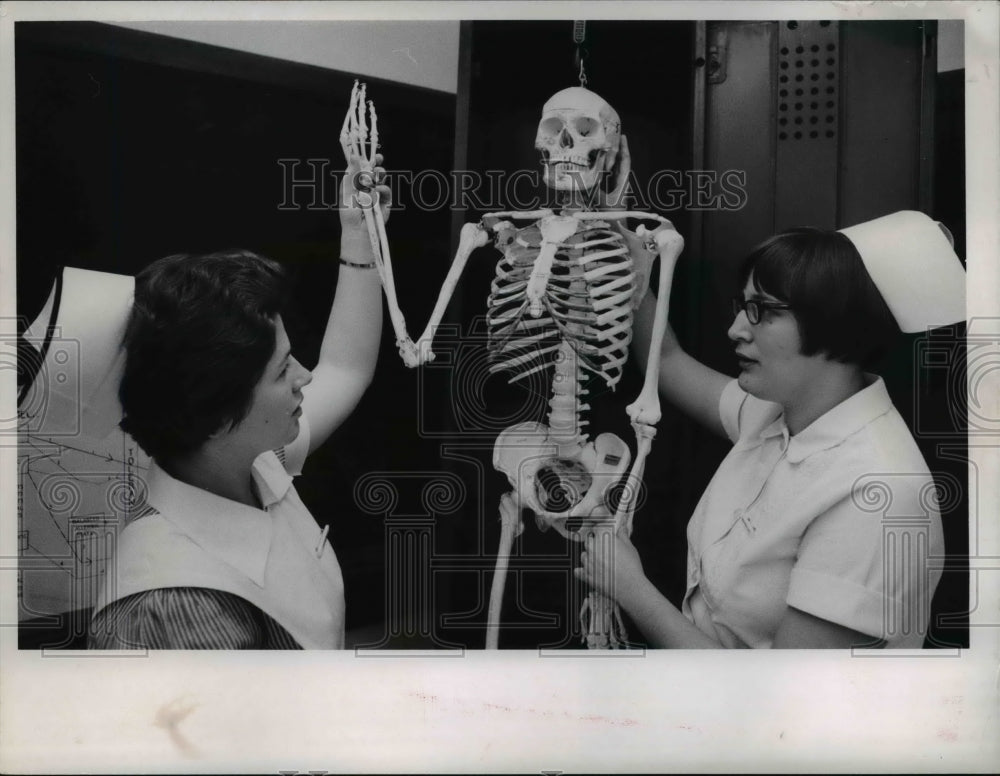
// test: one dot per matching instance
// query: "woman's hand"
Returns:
(363, 185)
(610, 564)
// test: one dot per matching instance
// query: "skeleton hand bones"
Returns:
(361, 187)
(363, 196)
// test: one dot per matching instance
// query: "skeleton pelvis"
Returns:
(565, 485)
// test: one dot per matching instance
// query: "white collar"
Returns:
(832, 427)
(236, 533)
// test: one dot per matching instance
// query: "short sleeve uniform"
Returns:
(839, 521)
(197, 571)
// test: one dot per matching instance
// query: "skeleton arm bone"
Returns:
(375, 222)
(646, 408)
(416, 353)
(644, 435)
(688, 384)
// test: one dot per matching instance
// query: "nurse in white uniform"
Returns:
(797, 540)
(223, 554)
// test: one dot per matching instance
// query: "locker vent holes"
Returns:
(808, 74)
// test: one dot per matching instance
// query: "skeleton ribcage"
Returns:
(587, 302)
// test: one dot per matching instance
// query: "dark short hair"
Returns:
(820, 274)
(199, 337)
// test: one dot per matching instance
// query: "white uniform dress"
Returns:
(839, 521)
(196, 570)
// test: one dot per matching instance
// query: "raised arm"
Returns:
(353, 332)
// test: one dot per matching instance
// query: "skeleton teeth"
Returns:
(578, 161)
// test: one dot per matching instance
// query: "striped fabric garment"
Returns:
(186, 618)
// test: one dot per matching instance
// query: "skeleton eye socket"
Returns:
(551, 126)
(585, 126)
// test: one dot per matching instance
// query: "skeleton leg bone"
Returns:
(510, 528)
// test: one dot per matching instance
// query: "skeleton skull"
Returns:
(579, 136)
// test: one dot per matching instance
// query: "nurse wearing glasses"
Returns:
(795, 542)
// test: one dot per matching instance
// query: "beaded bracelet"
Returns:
(347, 263)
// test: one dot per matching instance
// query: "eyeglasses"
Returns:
(754, 308)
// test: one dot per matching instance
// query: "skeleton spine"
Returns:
(565, 426)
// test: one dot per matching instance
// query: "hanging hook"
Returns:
(579, 36)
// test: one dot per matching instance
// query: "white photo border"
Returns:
(669, 711)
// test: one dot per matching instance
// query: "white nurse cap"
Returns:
(912, 263)
(79, 338)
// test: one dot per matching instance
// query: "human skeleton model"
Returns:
(563, 297)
